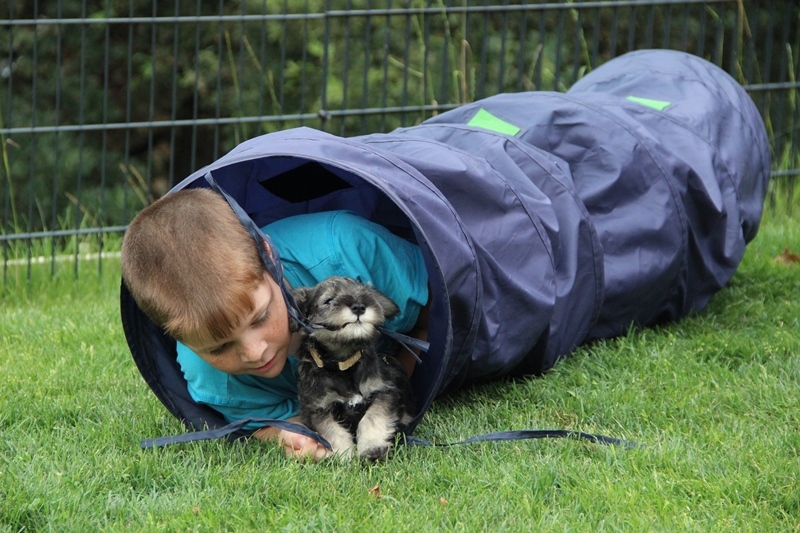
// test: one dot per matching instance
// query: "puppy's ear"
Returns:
(390, 308)
(302, 297)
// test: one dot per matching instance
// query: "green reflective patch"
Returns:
(660, 105)
(484, 119)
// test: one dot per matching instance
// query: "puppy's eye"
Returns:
(329, 301)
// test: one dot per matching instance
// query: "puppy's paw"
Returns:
(375, 453)
(345, 454)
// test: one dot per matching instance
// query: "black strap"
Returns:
(225, 431)
(271, 258)
(409, 439)
(525, 434)
(405, 341)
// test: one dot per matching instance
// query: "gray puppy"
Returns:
(348, 393)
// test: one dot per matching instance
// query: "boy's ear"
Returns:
(268, 250)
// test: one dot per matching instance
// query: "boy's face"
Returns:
(260, 344)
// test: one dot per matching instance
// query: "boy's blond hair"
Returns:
(191, 266)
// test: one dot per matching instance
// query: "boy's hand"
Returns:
(294, 444)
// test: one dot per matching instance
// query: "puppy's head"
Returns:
(347, 312)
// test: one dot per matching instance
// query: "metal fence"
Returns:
(105, 105)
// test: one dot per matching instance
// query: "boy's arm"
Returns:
(294, 444)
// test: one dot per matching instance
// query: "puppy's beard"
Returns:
(345, 327)
(347, 339)
(358, 330)
(345, 317)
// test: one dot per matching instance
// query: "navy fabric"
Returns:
(601, 212)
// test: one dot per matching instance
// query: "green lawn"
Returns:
(715, 400)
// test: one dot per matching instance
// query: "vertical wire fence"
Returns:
(105, 105)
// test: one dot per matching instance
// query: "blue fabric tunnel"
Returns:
(545, 219)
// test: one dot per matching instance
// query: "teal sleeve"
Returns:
(238, 397)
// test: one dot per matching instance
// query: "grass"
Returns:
(713, 399)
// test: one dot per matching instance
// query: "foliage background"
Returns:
(104, 105)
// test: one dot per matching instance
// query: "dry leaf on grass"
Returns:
(787, 257)
(376, 491)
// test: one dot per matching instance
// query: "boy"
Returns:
(193, 269)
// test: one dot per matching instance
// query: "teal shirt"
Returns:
(314, 247)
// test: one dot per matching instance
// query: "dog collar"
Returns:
(342, 365)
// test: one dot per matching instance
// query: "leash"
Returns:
(406, 341)
(269, 255)
(526, 434)
(230, 429)
(410, 440)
